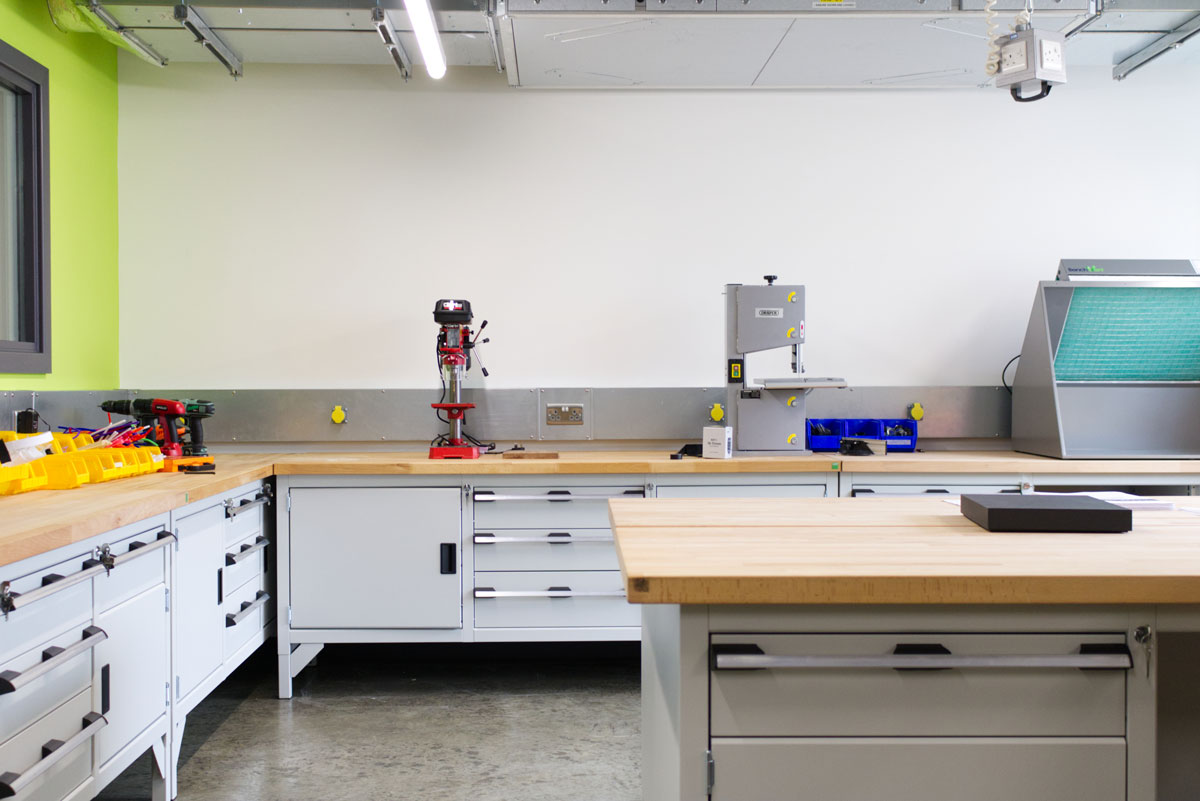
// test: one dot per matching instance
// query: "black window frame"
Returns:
(31, 353)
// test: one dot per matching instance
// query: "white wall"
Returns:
(294, 229)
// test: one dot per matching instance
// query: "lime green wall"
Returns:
(83, 198)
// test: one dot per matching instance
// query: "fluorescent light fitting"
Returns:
(391, 40)
(194, 24)
(131, 38)
(424, 26)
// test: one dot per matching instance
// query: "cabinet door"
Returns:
(130, 684)
(200, 627)
(377, 558)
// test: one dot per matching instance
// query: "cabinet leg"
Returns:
(176, 746)
(162, 772)
(285, 675)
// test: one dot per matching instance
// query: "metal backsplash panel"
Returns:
(517, 415)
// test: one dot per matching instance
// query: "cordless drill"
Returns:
(149, 411)
(195, 411)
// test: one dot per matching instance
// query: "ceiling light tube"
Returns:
(425, 27)
(194, 24)
(391, 40)
(132, 39)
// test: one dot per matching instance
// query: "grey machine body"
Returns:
(1093, 416)
(768, 415)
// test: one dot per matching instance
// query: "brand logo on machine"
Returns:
(452, 305)
(1091, 268)
(768, 312)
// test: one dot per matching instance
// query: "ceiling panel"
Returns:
(661, 51)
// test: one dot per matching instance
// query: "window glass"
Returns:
(10, 220)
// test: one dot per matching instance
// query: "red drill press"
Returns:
(454, 350)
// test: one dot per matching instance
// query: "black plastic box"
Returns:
(1054, 513)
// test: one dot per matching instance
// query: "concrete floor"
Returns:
(534, 722)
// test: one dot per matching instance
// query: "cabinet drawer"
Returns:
(818, 686)
(140, 563)
(552, 600)
(545, 549)
(547, 507)
(46, 611)
(53, 776)
(244, 514)
(246, 611)
(743, 491)
(244, 561)
(919, 769)
(31, 685)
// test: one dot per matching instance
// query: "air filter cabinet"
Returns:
(1110, 366)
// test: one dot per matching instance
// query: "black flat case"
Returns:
(1051, 513)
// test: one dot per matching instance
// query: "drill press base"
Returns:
(456, 452)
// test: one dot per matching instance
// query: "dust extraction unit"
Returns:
(1110, 366)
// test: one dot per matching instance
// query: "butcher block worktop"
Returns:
(891, 551)
(41, 521)
(37, 522)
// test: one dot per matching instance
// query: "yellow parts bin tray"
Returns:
(74, 460)
(22, 477)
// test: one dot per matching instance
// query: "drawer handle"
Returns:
(736, 656)
(51, 583)
(52, 657)
(557, 496)
(136, 549)
(551, 592)
(248, 607)
(53, 752)
(554, 538)
(246, 552)
(261, 499)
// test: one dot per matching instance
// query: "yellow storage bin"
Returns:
(23, 478)
(11, 476)
(66, 471)
(101, 465)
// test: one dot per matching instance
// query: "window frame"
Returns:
(31, 353)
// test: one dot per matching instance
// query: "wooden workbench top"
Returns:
(1010, 462)
(891, 551)
(568, 462)
(38, 522)
(41, 521)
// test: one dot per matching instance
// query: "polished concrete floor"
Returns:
(534, 722)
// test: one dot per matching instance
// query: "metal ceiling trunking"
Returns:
(725, 44)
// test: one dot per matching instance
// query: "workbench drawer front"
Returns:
(246, 611)
(141, 564)
(244, 561)
(32, 685)
(547, 507)
(997, 685)
(47, 610)
(245, 513)
(552, 600)
(545, 549)
(919, 769)
(909, 490)
(40, 776)
(743, 491)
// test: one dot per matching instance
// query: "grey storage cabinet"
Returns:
(376, 558)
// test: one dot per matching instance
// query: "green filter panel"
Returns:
(1130, 334)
